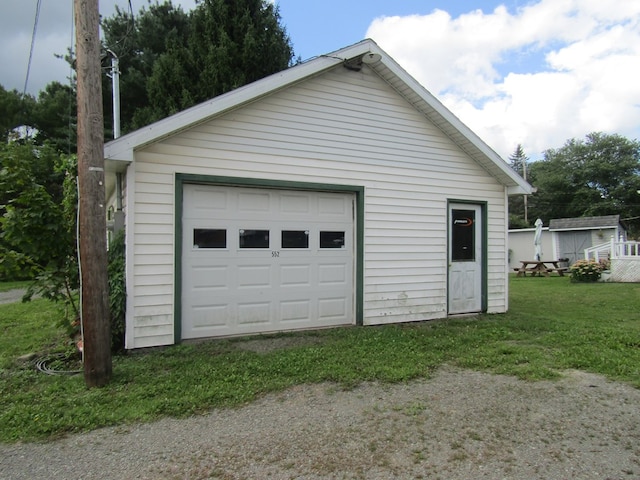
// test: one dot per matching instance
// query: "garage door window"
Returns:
(295, 238)
(254, 238)
(331, 239)
(209, 238)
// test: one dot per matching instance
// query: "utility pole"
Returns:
(524, 174)
(91, 215)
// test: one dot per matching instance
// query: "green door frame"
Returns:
(183, 178)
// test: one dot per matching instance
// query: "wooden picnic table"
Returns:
(539, 268)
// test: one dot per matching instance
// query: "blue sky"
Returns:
(534, 72)
(317, 27)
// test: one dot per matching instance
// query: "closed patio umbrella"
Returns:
(537, 240)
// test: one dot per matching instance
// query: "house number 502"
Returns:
(275, 254)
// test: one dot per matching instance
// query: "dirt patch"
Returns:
(459, 424)
(264, 346)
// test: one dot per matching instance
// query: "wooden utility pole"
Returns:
(92, 216)
(524, 174)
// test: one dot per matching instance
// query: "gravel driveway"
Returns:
(458, 424)
(11, 296)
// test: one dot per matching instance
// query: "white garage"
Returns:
(337, 192)
(261, 260)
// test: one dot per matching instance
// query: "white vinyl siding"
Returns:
(342, 127)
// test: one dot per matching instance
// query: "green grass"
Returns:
(552, 325)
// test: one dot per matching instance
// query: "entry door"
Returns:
(572, 244)
(465, 258)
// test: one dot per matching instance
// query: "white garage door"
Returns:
(261, 260)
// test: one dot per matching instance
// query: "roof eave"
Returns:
(123, 148)
(423, 100)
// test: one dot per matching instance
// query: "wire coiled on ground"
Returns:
(42, 365)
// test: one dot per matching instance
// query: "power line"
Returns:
(33, 42)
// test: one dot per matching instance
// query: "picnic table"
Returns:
(539, 268)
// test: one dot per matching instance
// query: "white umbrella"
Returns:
(537, 240)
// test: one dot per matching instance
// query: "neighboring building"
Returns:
(565, 238)
(521, 246)
(337, 192)
(573, 235)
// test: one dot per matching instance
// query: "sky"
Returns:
(529, 72)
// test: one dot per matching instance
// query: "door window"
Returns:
(254, 238)
(463, 235)
(295, 238)
(209, 238)
(331, 239)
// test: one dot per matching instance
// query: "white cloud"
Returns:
(580, 58)
(54, 35)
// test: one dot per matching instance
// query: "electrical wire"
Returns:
(33, 42)
(79, 265)
(42, 365)
(122, 45)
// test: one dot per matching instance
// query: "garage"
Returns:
(257, 260)
(320, 196)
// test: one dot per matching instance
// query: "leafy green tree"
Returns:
(14, 110)
(54, 116)
(51, 118)
(596, 176)
(171, 60)
(37, 235)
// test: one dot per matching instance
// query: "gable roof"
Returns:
(121, 150)
(585, 223)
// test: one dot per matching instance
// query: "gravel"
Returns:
(459, 424)
(11, 296)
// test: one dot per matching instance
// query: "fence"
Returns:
(624, 257)
(613, 250)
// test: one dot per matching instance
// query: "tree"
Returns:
(139, 41)
(518, 205)
(51, 118)
(596, 176)
(14, 110)
(55, 117)
(37, 239)
(519, 160)
(170, 60)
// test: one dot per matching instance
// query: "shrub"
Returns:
(117, 290)
(586, 271)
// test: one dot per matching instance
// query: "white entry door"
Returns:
(265, 260)
(465, 258)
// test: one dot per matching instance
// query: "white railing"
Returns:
(613, 249)
(598, 252)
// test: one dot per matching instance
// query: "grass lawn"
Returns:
(552, 325)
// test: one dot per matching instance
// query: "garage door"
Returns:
(261, 260)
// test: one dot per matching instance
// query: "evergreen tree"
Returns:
(171, 60)
(519, 160)
(518, 204)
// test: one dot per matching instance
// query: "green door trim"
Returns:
(484, 300)
(183, 178)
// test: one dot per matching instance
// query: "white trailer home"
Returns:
(337, 192)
